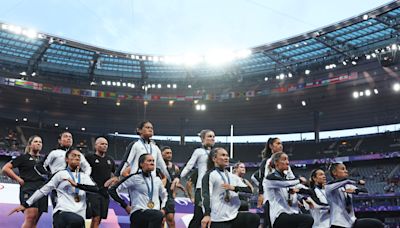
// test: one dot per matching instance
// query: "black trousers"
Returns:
(198, 210)
(243, 219)
(365, 223)
(146, 219)
(267, 220)
(293, 221)
(63, 219)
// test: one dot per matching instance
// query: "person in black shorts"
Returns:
(103, 168)
(173, 171)
(29, 180)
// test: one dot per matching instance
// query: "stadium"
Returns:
(331, 95)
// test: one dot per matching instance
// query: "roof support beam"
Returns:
(34, 60)
(93, 64)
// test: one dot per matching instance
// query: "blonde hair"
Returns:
(30, 140)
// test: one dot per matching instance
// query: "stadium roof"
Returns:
(346, 40)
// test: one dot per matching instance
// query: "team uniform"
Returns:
(199, 158)
(173, 172)
(102, 168)
(71, 201)
(341, 206)
(284, 211)
(244, 198)
(145, 192)
(320, 211)
(26, 164)
(223, 205)
(55, 160)
(144, 147)
(264, 171)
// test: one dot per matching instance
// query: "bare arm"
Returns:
(8, 170)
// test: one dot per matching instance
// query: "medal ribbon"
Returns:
(144, 144)
(149, 191)
(227, 194)
(72, 176)
(223, 178)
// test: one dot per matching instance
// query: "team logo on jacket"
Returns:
(109, 162)
(97, 161)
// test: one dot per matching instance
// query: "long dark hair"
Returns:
(211, 156)
(141, 160)
(332, 168)
(267, 152)
(313, 175)
(141, 125)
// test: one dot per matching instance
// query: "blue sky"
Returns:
(169, 27)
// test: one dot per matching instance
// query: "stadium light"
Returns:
(55, 124)
(171, 103)
(23, 73)
(200, 107)
(303, 103)
(84, 102)
(354, 62)
(396, 87)
(279, 106)
(189, 86)
(266, 79)
(83, 129)
(355, 95)
(124, 84)
(159, 86)
(108, 83)
(196, 101)
(307, 72)
(168, 85)
(290, 75)
(103, 82)
(146, 103)
(25, 119)
(174, 86)
(376, 91)
(365, 17)
(118, 103)
(367, 92)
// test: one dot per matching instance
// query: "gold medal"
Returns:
(77, 198)
(150, 204)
